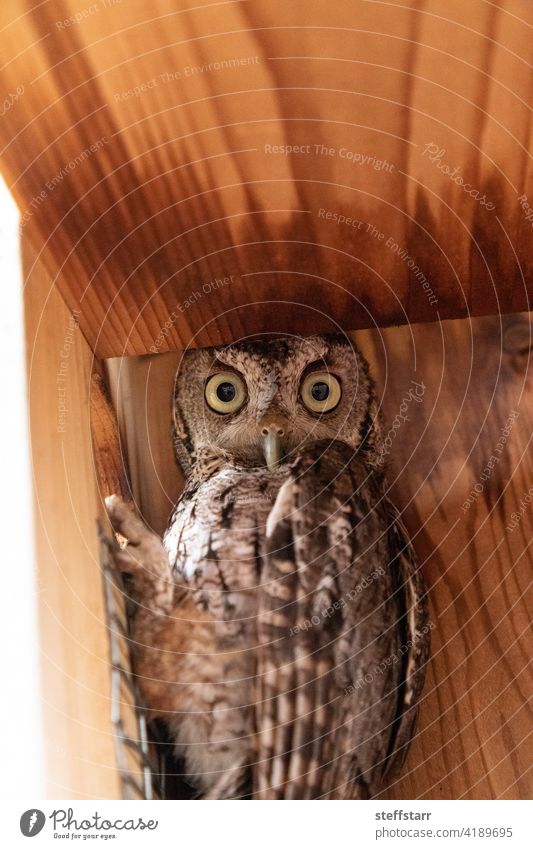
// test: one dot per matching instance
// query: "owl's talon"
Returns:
(140, 552)
(128, 527)
(122, 541)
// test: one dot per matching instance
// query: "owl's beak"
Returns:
(272, 449)
(272, 432)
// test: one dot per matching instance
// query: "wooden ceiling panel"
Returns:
(309, 154)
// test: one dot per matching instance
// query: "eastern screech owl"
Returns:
(281, 626)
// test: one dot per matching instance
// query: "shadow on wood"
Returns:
(367, 160)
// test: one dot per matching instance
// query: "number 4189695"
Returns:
(499, 831)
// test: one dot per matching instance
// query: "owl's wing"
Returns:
(342, 634)
(417, 628)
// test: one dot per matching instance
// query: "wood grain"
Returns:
(475, 383)
(110, 461)
(476, 720)
(187, 185)
(141, 389)
(74, 651)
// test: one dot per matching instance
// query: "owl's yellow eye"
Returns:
(225, 392)
(321, 392)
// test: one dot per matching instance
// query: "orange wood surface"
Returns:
(74, 650)
(181, 170)
(179, 165)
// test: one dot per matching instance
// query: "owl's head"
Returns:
(257, 403)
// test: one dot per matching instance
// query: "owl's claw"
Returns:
(140, 553)
(128, 526)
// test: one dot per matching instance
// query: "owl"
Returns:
(281, 626)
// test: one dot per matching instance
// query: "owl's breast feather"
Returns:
(216, 537)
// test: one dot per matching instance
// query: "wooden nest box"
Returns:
(195, 173)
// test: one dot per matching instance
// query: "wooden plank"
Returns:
(19, 626)
(147, 150)
(80, 758)
(141, 388)
(474, 385)
(460, 468)
(109, 457)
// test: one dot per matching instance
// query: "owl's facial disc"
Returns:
(259, 403)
